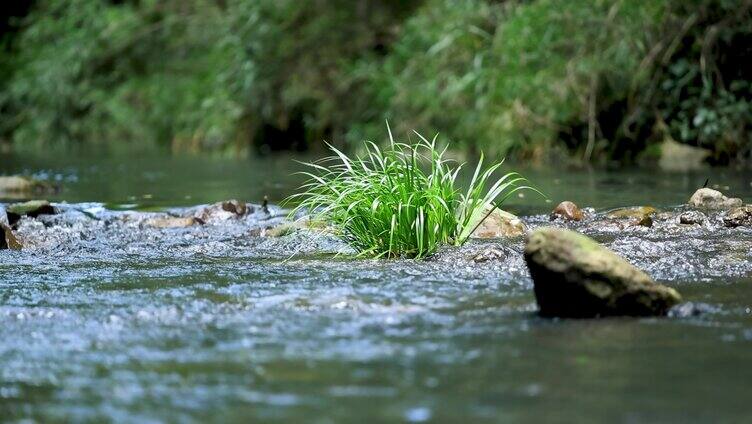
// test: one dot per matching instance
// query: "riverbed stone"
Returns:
(643, 221)
(500, 224)
(32, 208)
(574, 276)
(16, 184)
(172, 222)
(737, 217)
(707, 198)
(228, 209)
(692, 218)
(638, 213)
(489, 254)
(236, 207)
(568, 211)
(8, 239)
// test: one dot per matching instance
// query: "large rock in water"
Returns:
(707, 198)
(574, 276)
(16, 185)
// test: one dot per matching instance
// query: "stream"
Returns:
(104, 318)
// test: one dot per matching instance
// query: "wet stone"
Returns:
(500, 224)
(236, 207)
(228, 209)
(489, 254)
(643, 221)
(692, 218)
(638, 213)
(8, 240)
(707, 198)
(32, 208)
(567, 210)
(737, 217)
(574, 276)
(172, 222)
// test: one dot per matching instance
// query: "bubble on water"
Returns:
(418, 414)
(533, 390)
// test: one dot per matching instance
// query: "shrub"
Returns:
(402, 200)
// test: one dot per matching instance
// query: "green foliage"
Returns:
(503, 76)
(96, 72)
(386, 204)
(599, 79)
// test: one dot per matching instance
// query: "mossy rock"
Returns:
(32, 208)
(638, 212)
(574, 276)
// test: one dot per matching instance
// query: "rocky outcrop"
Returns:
(568, 211)
(574, 276)
(707, 198)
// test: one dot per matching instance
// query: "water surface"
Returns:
(218, 324)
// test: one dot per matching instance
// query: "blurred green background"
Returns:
(538, 80)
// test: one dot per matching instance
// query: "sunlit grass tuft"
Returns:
(402, 200)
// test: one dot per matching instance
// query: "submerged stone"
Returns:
(692, 218)
(707, 198)
(568, 211)
(489, 254)
(737, 217)
(574, 276)
(638, 213)
(282, 230)
(172, 222)
(500, 224)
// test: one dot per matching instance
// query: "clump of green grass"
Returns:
(402, 200)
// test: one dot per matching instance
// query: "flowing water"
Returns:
(104, 320)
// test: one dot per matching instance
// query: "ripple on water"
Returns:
(114, 321)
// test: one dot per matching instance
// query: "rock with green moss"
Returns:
(32, 208)
(574, 276)
(637, 213)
